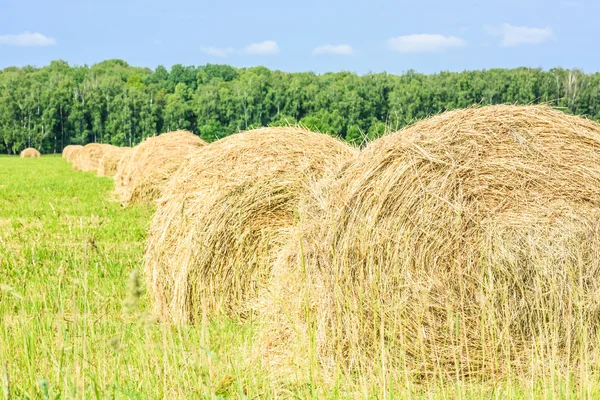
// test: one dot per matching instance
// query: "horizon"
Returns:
(295, 72)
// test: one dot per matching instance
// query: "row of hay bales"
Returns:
(467, 244)
(142, 175)
(139, 172)
(102, 158)
(92, 157)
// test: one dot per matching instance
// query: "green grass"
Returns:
(75, 322)
(72, 322)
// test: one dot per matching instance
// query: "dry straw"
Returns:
(69, 151)
(30, 153)
(73, 153)
(466, 245)
(144, 171)
(110, 160)
(88, 158)
(225, 215)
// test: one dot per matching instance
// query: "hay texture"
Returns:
(69, 151)
(30, 153)
(73, 154)
(110, 160)
(465, 245)
(88, 158)
(143, 173)
(225, 215)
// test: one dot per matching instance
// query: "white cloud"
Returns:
(27, 39)
(266, 47)
(217, 51)
(424, 43)
(517, 35)
(343, 49)
(572, 4)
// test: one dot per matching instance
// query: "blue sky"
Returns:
(310, 35)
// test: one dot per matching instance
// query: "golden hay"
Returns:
(73, 153)
(466, 245)
(225, 214)
(143, 173)
(69, 150)
(88, 158)
(30, 153)
(110, 160)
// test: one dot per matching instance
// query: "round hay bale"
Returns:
(224, 216)
(73, 153)
(30, 153)
(68, 151)
(143, 173)
(88, 157)
(466, 245)
(110, 160)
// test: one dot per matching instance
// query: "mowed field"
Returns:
(75, 321)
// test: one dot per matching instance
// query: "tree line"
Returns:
(113, 102)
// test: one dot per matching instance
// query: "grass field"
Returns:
(74, 319)
(72, 312)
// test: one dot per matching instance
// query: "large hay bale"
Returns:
(110, 160)
(143, 173)
(88, 158)
(30, 153)
(224, 216)
(69, 150)
(467, 244)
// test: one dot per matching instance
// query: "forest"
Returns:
(113, 102)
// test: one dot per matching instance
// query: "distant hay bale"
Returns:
(88, 157)
(110, 160)
(466, 245)
(224, 216)
(73, 153)
(69, 150)
(143, 173)
(30, 153)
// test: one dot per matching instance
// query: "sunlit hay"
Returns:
(224, 216)
(88, 158)
(73, 154)
(69, 150)
(466, 245)
(285, 339)
(30, 153)
(143, 173)
(110, 160)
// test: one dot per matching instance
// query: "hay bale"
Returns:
(88, 158)
(466, 245)
(110, 160)
(30, 153)
(143, 173)
(223, 217)
(73, 153)
(69, 150)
